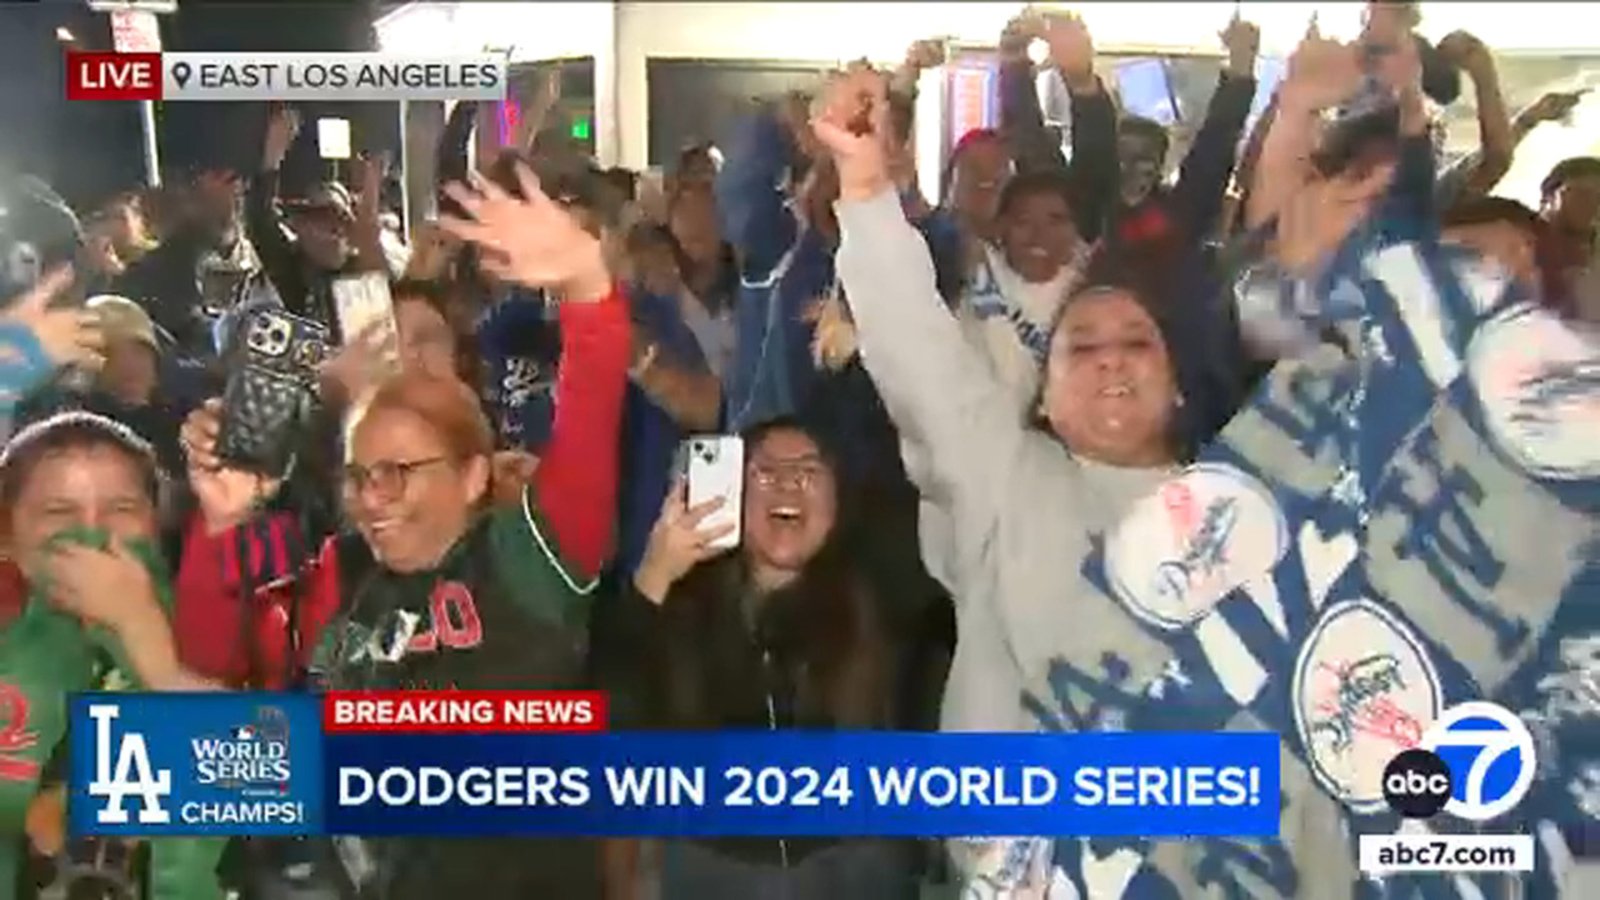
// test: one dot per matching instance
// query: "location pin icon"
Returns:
(180, 73)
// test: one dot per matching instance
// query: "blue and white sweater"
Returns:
(1418, 511)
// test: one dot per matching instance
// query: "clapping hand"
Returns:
(534, 242)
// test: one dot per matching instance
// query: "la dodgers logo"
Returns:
(1181, 550)
(1538, 378)
(134, 774)
(1364, 690)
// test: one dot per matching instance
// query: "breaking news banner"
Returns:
(284, 76)
(535, 763)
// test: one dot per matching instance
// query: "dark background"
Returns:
(91, 150)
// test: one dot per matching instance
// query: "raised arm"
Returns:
(262, 223)
(538, 244)
(452, 157)
(37, 338)
(1032, 144)
(751, 199)
(937, 389)
(1208, 166)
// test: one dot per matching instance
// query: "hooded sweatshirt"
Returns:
(1366, 515)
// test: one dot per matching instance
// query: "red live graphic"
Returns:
(463, 711)
(113, 76)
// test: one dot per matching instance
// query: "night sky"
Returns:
(90, 150)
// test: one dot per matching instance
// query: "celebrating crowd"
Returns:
(1302, 439)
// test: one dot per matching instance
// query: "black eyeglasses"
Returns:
(387, 478)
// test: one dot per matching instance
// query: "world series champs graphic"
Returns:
(217, 764)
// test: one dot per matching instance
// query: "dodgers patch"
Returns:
(1364, 690)
(1179, 551)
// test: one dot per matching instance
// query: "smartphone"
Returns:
(715, 468)
(364, 309)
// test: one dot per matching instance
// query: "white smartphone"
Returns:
(715, 467)
(365, 310)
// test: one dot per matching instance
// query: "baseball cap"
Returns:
(329, 196)
(38, 231)
(122, 319)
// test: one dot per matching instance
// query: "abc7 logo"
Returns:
(1476, 763)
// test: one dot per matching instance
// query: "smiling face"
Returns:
(86, 486)
(790, 501)
(979, 174)
(1038, 234)
(1139, 156)
(1109, 389)
(407, 492)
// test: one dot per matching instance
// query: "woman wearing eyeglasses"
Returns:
(439, 587)
(783, 632)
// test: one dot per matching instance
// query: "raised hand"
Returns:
(1552, 107)
(1025, 28)
(1321, 213)
(852, 122)
(1322, 73)
(283, 126)
(1464, 51)
(1071, 48)
(1242, 40)
(533, 242)
(70, 335)
(925, 54)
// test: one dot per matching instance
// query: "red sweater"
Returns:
(575, 486)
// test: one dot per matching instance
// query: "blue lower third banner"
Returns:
(260, 764)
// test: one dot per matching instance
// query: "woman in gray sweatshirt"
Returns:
(1348, 561)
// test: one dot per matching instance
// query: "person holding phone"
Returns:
(779, 631)
(468, 593)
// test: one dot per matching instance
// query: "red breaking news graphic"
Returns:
(463, 712)
(113, 76)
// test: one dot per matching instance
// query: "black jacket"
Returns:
(813, 655)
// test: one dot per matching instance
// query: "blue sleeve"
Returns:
(751, 200)
(23, 366)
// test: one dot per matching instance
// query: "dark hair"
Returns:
(698, 153)
(624, 181)
(1568, 170)
(1499, 210)
(75, 430)
(1149, 129)
(449, 306)
(969, 140)
(1486, 210)
(1131, 272)
(1029, 184)
(830, 621)
(760, 431)
(1441, 81)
